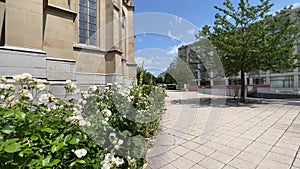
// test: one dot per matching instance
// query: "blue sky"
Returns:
(158, 49)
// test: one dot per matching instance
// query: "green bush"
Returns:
(104, 129)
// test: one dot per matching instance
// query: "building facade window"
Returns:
(87, 22)
(282, 82)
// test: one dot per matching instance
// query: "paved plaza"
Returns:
(203, 132)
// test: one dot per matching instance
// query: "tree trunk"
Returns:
(242, 99)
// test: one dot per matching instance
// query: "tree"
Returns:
(180, 71)
(169, 79)
(159, 80)
(148, 78)
(248, 38)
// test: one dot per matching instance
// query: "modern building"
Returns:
(188, 54)
(285, 81)
(87, 41)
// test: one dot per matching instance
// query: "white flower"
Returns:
(77, 117)
(9, 87)
(93, 88)
(26, 76)
(130, 160)
(106, 166)
(117, 147)
(112, 135)
(104, 122)
(26, 93)
(2, 97)
(17, 78)
(3, 79)
(2, 86)
(10, 98)
(41, 86)
(44, 99)
(107, 112)
(71, 87)
(22, 77)
(80, 153)
(84, 123)
(119, 161)
(107, 157)
(120, 142)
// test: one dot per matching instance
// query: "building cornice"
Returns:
(57, 9)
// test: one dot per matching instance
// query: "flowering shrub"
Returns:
(104, 129)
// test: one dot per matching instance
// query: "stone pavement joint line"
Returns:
(254, 136)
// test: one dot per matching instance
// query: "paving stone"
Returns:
(269, 164)
(287, 146)
(296, 163)
(211, 163)
(229, 167)
(169, 156)
(280, 158)
(197, 166)
(250, 157)
(213, 145)
(222, 157)
(259, 149)
(183, 163)
(205, 150)
(157, 162)
(190, 145)
(229, 150)
(293, 167)
(237, 145)
(180, 150)
(194, 156)
(169, 166)
(283, 151)
(240, 163)
(246, 137)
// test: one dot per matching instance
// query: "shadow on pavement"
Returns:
(217, 102)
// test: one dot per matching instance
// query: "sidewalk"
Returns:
(198, 134)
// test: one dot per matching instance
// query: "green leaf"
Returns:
(72, 164)
(61, 102)
(15, 147)
(20, 115)
(46, 161)
(48, 130)
(81, 161)
(126, 133)
(10, 141)
(74, 141)
(8, 114)
(54, 162)
(26, 151)
(68, 138)
(54, 148)
(8, 129)
(34, 138)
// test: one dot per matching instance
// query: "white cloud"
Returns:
(174, 49)
(140, 60)
(228, 17)
(191, 31)
(171, 36)
(296, 5)
(178, 20)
